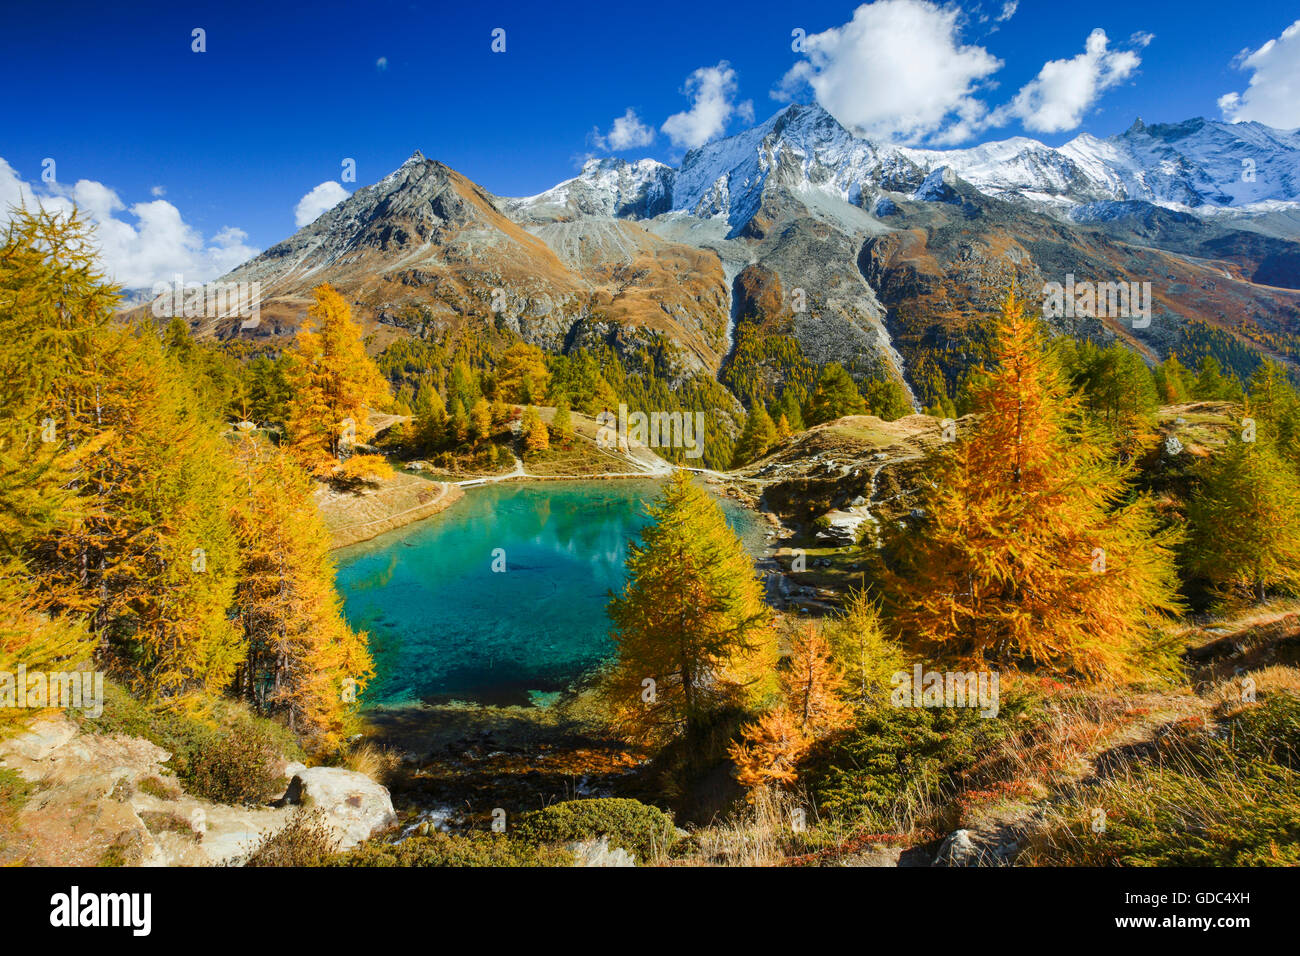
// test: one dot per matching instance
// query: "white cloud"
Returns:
(381, 64)
(157, 246)
(898, 70)
(325, 196)
(628, 132)
(1064, 90)
(711, 90)
(158, 192)
(1008, 10)
(1273, 95)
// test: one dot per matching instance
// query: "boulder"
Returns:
(42, 738)
(599, 853)
(354, 805)
(958, 849)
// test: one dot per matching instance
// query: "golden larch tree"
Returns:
(1032, 550)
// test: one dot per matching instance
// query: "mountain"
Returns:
(881, 257)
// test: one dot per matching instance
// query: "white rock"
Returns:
(957, 850)
(599, 853)
(42, 738)
(354, 805)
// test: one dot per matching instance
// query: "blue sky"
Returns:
(234, 137)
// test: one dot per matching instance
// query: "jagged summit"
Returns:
(894, 248)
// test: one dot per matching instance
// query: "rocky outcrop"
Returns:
(104, 799)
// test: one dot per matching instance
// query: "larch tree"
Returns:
(562, 423)
(863, 651)
(521, 374)
(812, 705)
(1033, 551)
(142, 545)
(536, 435)
(53, 306)
(303, 662)
(333, 385)
(692, 629)
(153, 562)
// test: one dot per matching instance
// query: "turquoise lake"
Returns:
(444, 626)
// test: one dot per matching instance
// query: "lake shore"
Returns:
(353, 517)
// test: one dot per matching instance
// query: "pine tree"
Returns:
(1244, 520)
(692, 629)
(1211, 385)
(836, 396)
(787, 406)
(757, 437)
(1031, 552)
(333, 385)
(886, 399)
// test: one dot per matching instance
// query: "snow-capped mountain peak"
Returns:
(1199, 164)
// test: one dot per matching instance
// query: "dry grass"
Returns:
(376, 762)
(1231, 696)
(759, 834)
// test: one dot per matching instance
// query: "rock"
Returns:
(842, 528)
(42, 739)
(957, 850)
(599, 853)
(354, 805)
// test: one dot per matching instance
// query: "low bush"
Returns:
(306, 840)
(897, 764)
(231, 757)
(444, 849)
(631, 825)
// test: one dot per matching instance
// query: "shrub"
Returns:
(896, 763)
(239, 765)
(445, 849)
(14, 791)
(629, 824)
(306, 840)
(1269, 732)
(237, 761)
